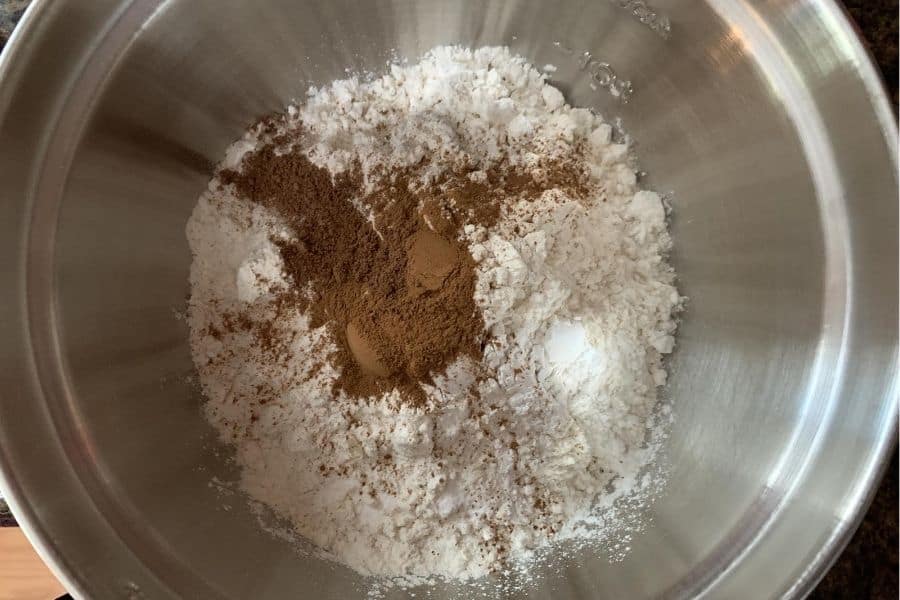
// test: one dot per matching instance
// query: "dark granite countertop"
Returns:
(868, 567)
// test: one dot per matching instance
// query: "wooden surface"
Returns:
(23, 576)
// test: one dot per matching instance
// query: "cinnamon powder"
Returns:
(396, 292)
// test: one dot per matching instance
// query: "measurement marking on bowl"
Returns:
(648, 16)
(602, 74)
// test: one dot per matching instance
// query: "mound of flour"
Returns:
(575, 293)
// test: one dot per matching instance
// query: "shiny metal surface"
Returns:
(765, 119)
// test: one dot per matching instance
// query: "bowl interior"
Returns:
(774, 437)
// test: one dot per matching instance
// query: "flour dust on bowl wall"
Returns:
(498, 298)
(429, 310)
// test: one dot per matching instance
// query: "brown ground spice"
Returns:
(398, 292)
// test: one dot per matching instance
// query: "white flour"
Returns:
(576, 294)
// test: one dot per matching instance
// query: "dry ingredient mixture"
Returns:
(429, 312)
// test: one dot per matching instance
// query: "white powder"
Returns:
(456, 106)
(576, 294)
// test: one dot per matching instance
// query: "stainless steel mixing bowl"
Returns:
(764, 118)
